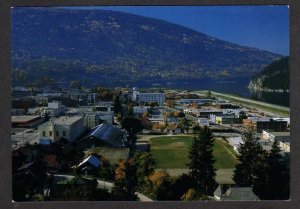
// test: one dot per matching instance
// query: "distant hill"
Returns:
(274, 77)
(109, 47)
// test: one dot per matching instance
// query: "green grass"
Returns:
(172, 152)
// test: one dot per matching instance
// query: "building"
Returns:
(260, 124)
(234, 193)
(92, 98)
(54, 109)
(282, 137)
(235, 142)
(16, 112)
(158, 98)
(89, 165)
(26, 121)
(226, 106)
(140, 109)
(227, 119)
(203, 121)
(66, 127)
(105, 135)
(135, 94)
(101, 113)
(193, 101)
(203, 113)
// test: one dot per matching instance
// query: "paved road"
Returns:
(103, 185)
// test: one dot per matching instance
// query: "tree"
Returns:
(145, 167)
(132, 125)
(202, 161)
(117, 105)
(170, 103)
(208, 94)
(159, 185)
(145, 115)
(250, 156)
(184, 125)
(192, 195)
(196, 129)
(125, 180)
(272, 179)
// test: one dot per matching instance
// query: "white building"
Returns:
(66, 127)
(135, 94)
(158, 98)
(140, 109)
(203, 121)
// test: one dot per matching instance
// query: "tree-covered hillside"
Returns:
(273, 77)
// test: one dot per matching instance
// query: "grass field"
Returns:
(172, 152)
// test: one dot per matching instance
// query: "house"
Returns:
(89, 165)
(105, 135)
(234, 194)
(66, 127)
(173, 129)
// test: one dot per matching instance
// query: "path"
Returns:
(105, 185)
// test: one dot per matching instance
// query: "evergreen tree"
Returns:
(202, 161)
(145, 165)
(117, 105)
(250, 158)
(272, 180)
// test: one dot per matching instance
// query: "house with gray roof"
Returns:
(105, 135)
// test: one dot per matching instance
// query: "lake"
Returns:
(236, 87)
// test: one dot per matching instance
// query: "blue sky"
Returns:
(263, 27)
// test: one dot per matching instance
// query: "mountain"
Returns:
(111, 47)
(274, 77)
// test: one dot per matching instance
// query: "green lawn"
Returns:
(172, 152)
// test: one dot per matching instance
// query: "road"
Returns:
(103, 185)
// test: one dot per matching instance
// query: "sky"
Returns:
(262, 27)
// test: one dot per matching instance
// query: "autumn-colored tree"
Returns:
(145, 115)
(193, 195)
(170, 103)
(159, 185)
(125, 180)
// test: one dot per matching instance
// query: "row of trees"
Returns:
(267, 172)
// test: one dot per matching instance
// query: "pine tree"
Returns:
(250, 158)
(202, 161)
(272, 182)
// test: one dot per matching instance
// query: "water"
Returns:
(236, 87)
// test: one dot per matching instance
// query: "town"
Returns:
(75, 143)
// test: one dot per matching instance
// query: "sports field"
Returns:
(172, 152)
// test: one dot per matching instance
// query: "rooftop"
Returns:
(280, 133)
(66, 120)
(24, 118)
(109, 134)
